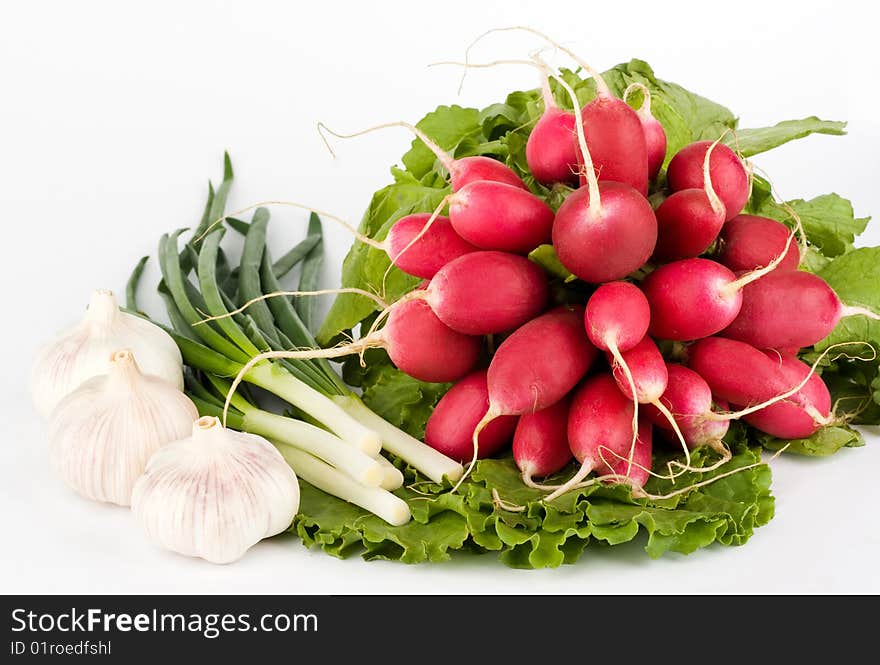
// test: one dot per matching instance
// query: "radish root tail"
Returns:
(484, 421)
(619, 361)
(444, 157)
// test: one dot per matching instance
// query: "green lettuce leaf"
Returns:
(544, 535)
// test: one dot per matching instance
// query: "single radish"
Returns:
(540, 442)
(648, 372)
(695, 298)
(451, 425)
(655, 135)
(499, 216)
(487, 292)
(735, 371)
(791, 309)
(749, 242)
(462, 171)
(604, 231)
(537, 365)
(551, 151)
(540, 362)
(616, 140)
(801, 415)
(729, 177)
(689, 399)
(514, 290)
(423, 347)
(617, 316)
(599, 428)
(689, 220)
(422, 256)
(635, 471)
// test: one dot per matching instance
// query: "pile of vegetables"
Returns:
(582, 315)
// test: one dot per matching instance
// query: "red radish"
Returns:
(689, 399)
(451, 425)
(749, 242)
(461, 171)
(599, 427)
(604, 234)
(420, 345)
(495, 215)
(551, 151)
(422, 256)
(689, 220)
(537, 365)
(486, 292)
(735, 371)
(540, 362)
(648, 372)
(540, 443)
(606, 230)
(635, 471)
(617, 315)
(695, 298)
(729, 176)
(655, 135)
(616, 140)
(789, 310)
(800, 415)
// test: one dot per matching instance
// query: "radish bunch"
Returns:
(581, 375)
(725, 282)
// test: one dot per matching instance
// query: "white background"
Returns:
(113, 116)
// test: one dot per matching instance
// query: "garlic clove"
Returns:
(82, 352)
(103, 433)
(216, 493)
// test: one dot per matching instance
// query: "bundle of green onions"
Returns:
(331, 440)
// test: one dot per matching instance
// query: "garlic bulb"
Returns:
(103, 433)
(216, 494)
(82, 352)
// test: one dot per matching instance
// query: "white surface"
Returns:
(113, 118)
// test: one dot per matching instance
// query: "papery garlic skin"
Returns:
(102, 435)
(215, 494)
(82, 352)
